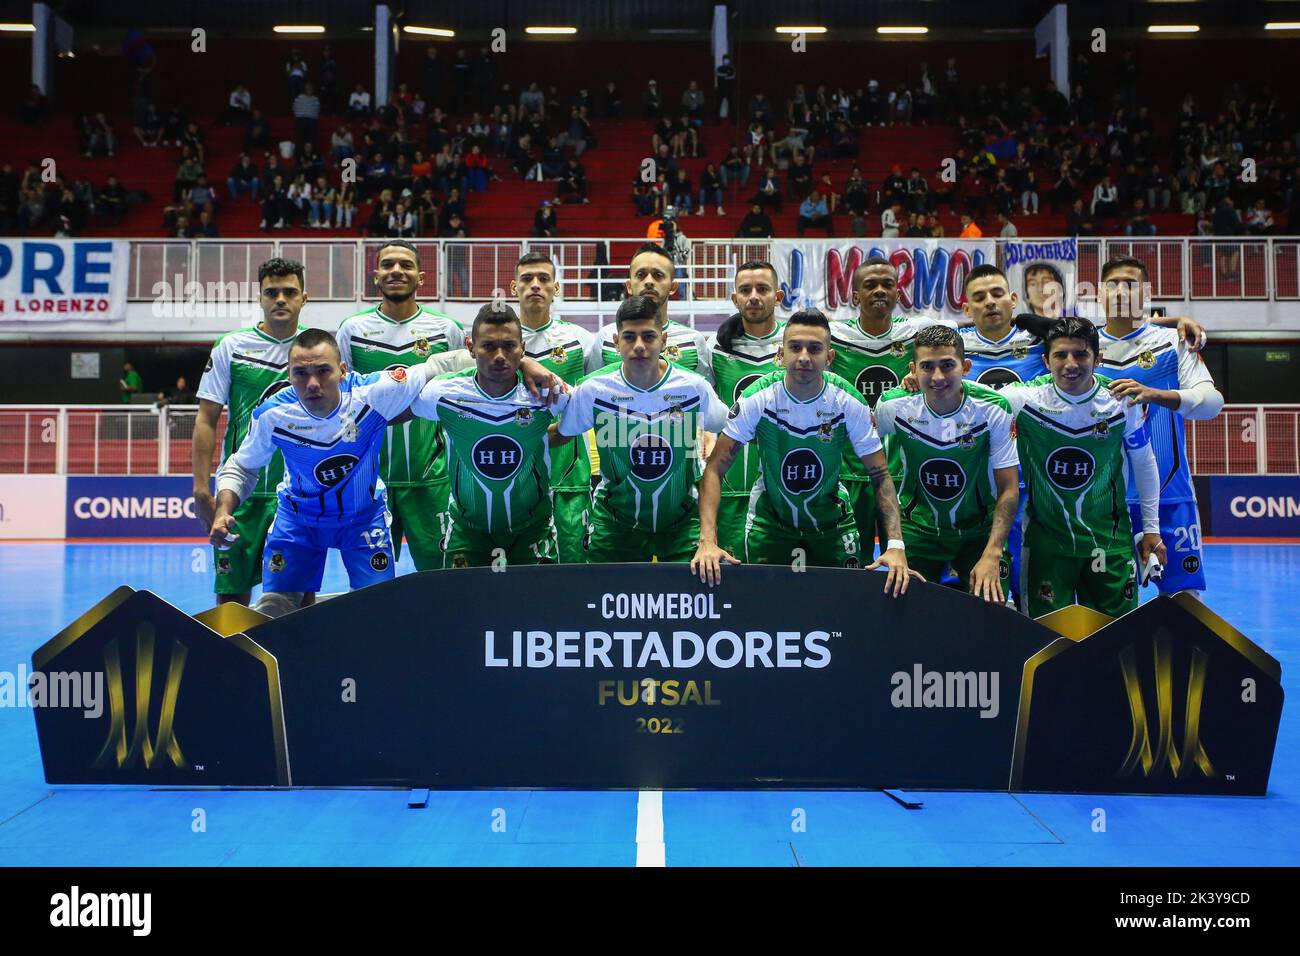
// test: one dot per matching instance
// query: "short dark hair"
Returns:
(277, 268)
(534, 257)
(939, 337)
(1073, 328)
(310, 338)
(401, 244)
(815, 317)
(636, 308)
(1045, 267)
(496, 312)
(658, 250)
(982, 271)
(872, 261)
(758, 264)
(1120, 262)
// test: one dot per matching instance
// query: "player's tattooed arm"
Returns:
(709, 557)
(895, 559)
(986, 576)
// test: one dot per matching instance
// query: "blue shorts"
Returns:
(293, 558)
(1180, 529)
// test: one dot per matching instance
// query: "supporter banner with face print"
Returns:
(1043, 274)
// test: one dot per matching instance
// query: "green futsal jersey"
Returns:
(875, 363)
(648, 442)
(245, 367)
(371, 342)
(685, 348)
(570, 351)
(1072, 454)
(497, 451)
(801, 445)
(735, 369)
(945, 464)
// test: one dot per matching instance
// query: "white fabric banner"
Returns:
(931, 273)
(63, 280)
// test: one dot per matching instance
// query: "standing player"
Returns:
(1153, 366)
(804, 419)
(329, 427)
(743, 350)
(647, 414)
(569, 351)
(497, 451)
(246, 367)
(399, 332)
(874, 352)
(951, 445)
(652, 273)
(1074, 438)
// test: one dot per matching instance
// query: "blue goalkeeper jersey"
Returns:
(1016, 357)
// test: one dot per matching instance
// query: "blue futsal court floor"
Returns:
(47, 585)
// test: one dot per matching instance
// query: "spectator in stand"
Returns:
(180, 227)
(193, 137)
(1191, 195)
(933, 227)
(112, 202)
(275, 203)
(844, 141)
(573, 184)
(328, 80)
(67, 213)
(34, 107)
(341, 146)
(1260, 219)
(377, 175)
(642, 197)
(916, 227)
(1078, 221)
(31, 208)
(1004, 197)
(296, 70)
(577, 134)
(968, 228)
(206, 227)
(239, 107)
(201, 195)
(99, 137)
(187, 174)
(828, 193)
(918, 192)
(455, 229)
(544, 224)
(345, 208)
(1105, 200)
(1008, 230)
(889, 222)
(652, 101)
(258, 133)
(686, 138)
(1029, 194)
(756, 224)
(173, 126)
(1140, 223)
(1158, 190)
(484, 77)
(735, 168)
(272, 168)
(799, 178)
(681, 192)
(813, 214)
(306, 114)
(760, 111)
(693, 103)
(974, 192)
(1065, 190)
(769, 190)
(401, 223)
(1227, 221)
(324, 198)
(1202, 227)
(359, 102)
(532, 100)
(724, 80)
(434, 75)
(613, 101)
(150, 130)
(10, 186)
(758, 146)
(380, 210)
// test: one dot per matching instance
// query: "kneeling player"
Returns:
(1073, 437)
(946, 442)
(498, 455)
(804, 419)
(329, 427)
(647, 414)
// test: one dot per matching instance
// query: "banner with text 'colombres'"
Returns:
(62, 280)
(818, 274)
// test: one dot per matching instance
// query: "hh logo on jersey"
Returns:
(334, 469)
(1166, 755)
(1069, 468)
(276, 563)
(672, 353)
(801, 471)
(379, 561)
(942, 478)
(1191, 564)
(558, 354)
(1147, 359)
(651, 457)
(523, 417)
(497, 456)
(874, 381)
(122, 747)
(743, 384)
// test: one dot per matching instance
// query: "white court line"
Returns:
(650, 828)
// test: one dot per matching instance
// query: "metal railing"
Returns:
(142, 440)
(461, 270)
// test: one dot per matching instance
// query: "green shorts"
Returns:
(611, 542)
(240, 567)
(732, 512)
(962, 559)
(420, 512)
(467, 548)
(572, 519)
(771, 543)
(1050, 581)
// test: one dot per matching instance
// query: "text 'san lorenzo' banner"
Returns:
(931, 273)
(61, 280)
(146, 506)
(1254, 506)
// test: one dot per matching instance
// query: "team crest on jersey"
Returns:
(1100, 430)
(459, 561)
(223, 565)
(523, 417)
(397, 373)
(558, 354)
(276, 564)
(675, 413)
(379, 561)
(1147, 359)
(897, 348)
(1045, 593)
(672, 353)
(422, 347)
(965, 440)
(1020, 351)
(825, 431)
